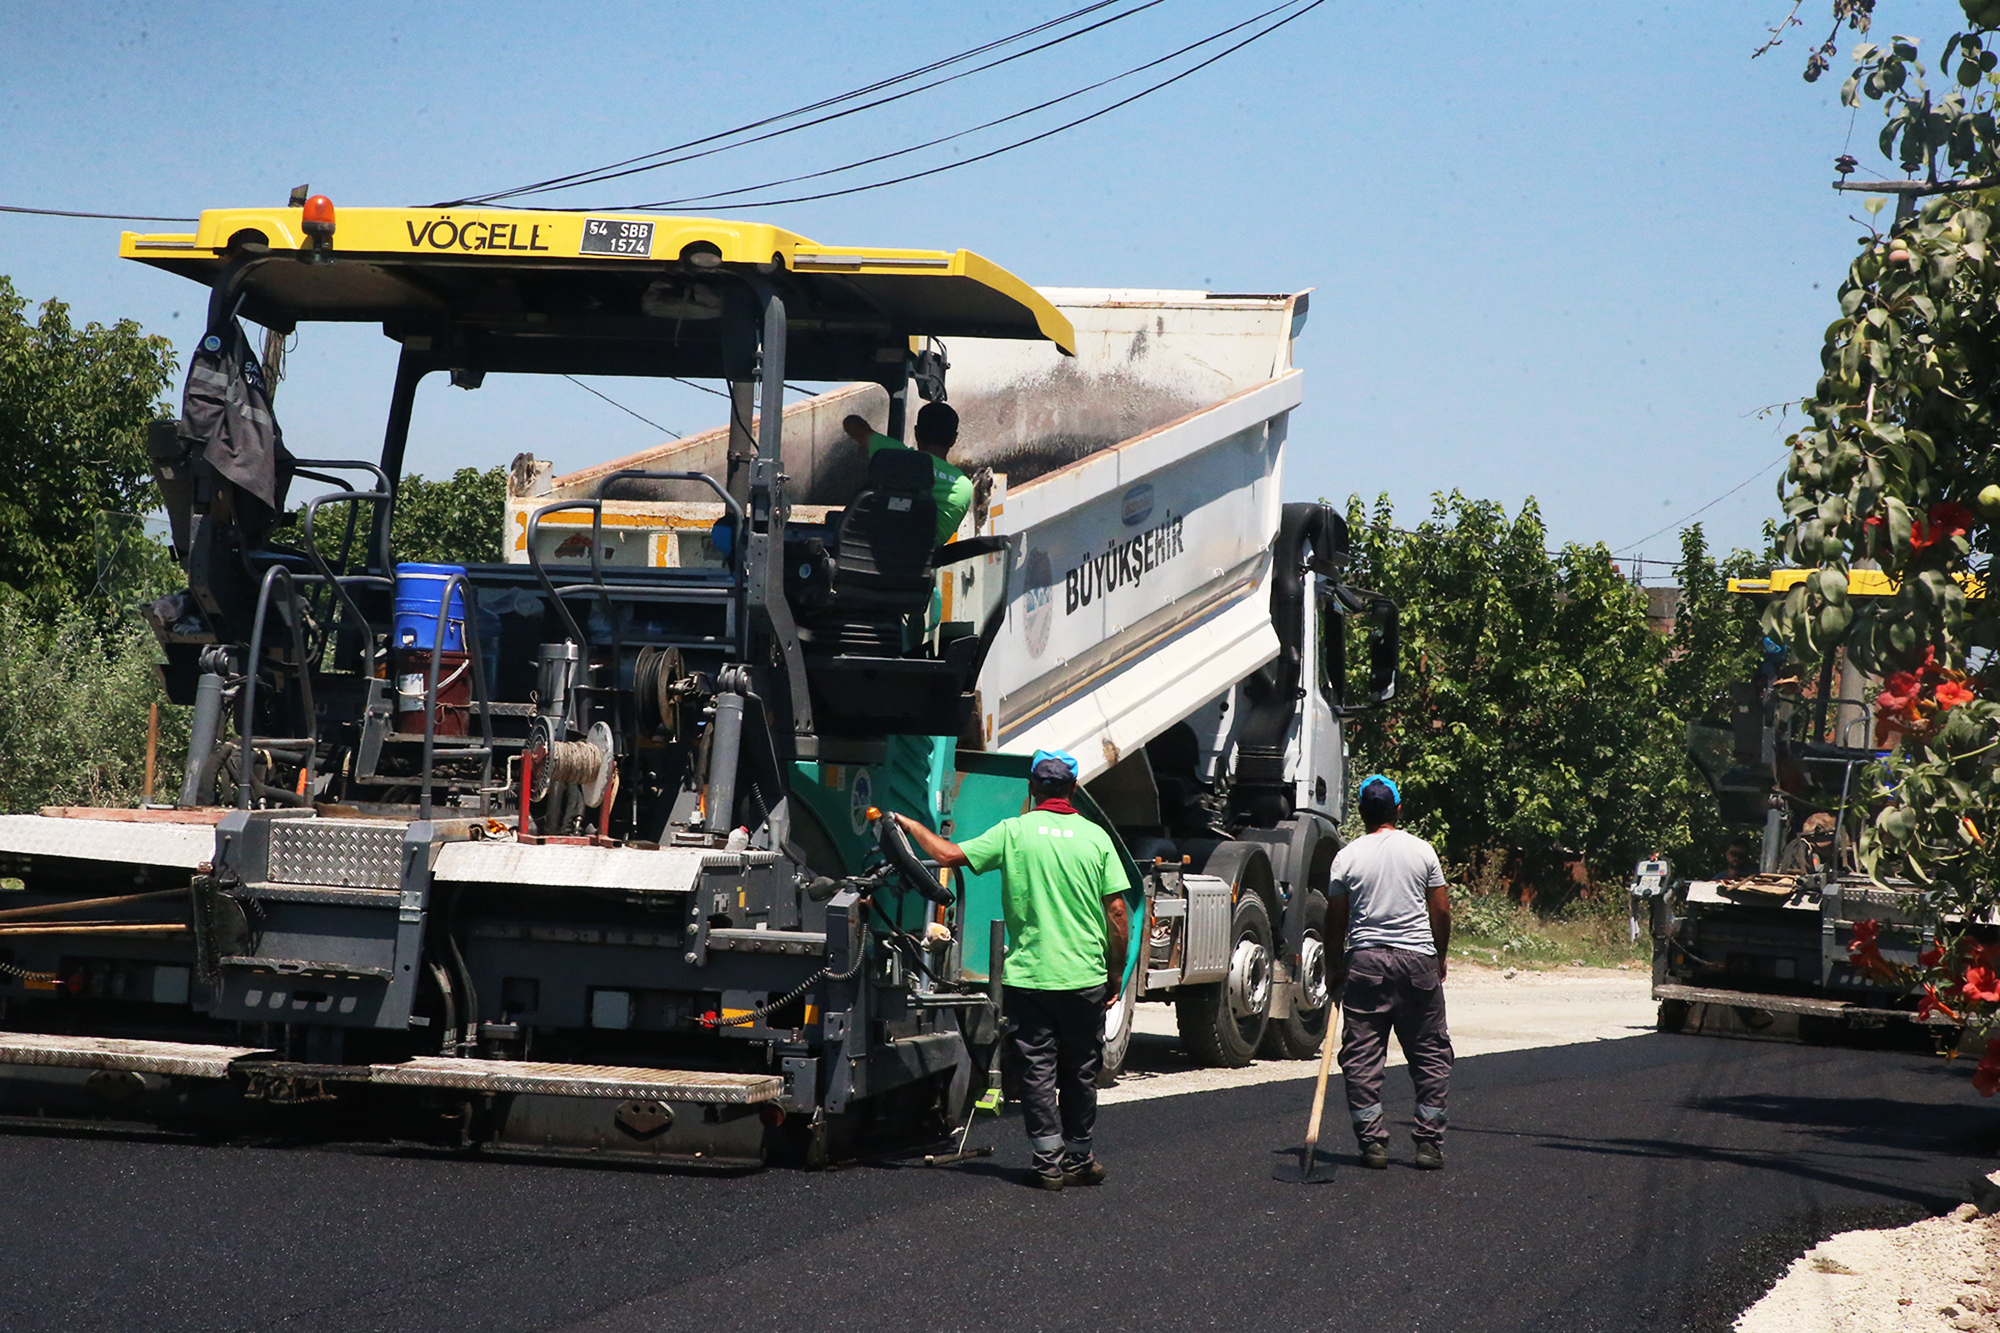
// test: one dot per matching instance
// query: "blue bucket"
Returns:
(419, 589)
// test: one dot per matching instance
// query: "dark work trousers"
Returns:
(1058, 1038)
(1394, 988)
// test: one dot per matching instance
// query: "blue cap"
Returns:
(1373, 778)
(1054, 766)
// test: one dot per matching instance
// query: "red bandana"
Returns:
(1058, 806)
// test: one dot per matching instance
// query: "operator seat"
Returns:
(879, 569)
(880, 574)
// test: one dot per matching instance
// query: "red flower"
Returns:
(1951, 694)
(1982, 955)
(1949, 518)
(1986, 1078)
(1865, 953)
(1899, 692)
(1932, 956)
(1982, 984)
(1931, 1004)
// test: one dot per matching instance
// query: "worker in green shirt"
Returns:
(937, 431)
(1062, 889)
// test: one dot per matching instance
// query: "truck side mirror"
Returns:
(1384, 647)
(1385, 642)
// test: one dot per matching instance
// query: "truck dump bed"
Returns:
(1139, 482)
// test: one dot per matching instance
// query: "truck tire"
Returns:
(1299, 1037)
(1212, 1029)
(1673, 1016)
(1118, 1032)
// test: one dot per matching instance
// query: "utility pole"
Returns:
(1908, 192)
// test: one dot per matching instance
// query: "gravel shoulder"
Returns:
(1939, 1274)
(1489, 1010)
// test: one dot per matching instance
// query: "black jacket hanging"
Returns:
(226, 417)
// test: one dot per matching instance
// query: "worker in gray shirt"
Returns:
(1388, 926)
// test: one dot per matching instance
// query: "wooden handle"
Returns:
(1319, 1091)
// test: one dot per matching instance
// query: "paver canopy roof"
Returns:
(589, 293)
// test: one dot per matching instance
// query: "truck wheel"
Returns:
(1673, 1015)
(1299, 1037)
(1118, 1032)
(1222, 1022)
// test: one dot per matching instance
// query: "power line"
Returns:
(106, 217)
(692, 384)
(620, 406)
(1711, 504)
(631, 165)
(1032, 139)
(1011, 116)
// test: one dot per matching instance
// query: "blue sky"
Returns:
(1565, 250)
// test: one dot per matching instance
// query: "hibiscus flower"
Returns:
(1986, 1078)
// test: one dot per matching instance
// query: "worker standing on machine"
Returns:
(1063, 891)
(937, 431)
(1388, 927)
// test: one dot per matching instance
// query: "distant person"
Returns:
(1062, 890)
(937, 431)
(1736, 862)
(1388, 928)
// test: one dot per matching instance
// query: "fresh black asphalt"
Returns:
(1656, 1182)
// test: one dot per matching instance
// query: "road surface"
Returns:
(1656, 1182)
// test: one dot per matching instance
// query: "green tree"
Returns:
(73, 411)
(1899, 468)
(450, 522)
(1716, 632)
(1532, 716)
(73, 700)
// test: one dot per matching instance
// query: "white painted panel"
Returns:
(667, 869)
(183, 845)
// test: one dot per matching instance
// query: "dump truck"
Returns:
(581, 852)
(1764, 938)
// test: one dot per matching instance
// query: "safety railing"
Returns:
(596, 508)
(339, 583)
(248, 742)
(304, 467)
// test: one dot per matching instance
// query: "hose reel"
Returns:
(587, 763)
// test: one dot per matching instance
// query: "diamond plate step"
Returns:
(679, 1085)
(190, 1059)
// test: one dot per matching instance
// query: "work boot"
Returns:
(1082, 1169)
(1375, 1156)
(1430, 1157)
(1047, 1172)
